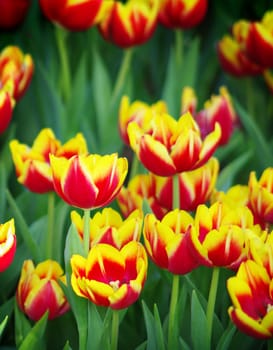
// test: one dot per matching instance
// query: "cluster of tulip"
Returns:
(249, 51)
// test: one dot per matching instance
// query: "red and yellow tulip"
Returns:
(138, 111)
(195, 187)
(182, 14)
(140, 188)
(12, 13)
(110, 277)
(39, 290)
(166, 241)
(7, 244)
(261, 195)
(169, 147)
(76, 15)
(6, 109)
(109, 227)
(251, 294)
(88, 181)
(131, 23)
(18, 67)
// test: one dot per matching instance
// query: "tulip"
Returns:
(251, 294)
(6, 110)
(110, 277)
(88, 181)
(188, 101)
(166, 241)
(139, 112)
(13, 13)
(7, 244)
(18, 67)
(234, 60)
(74, 15)
(129, 24)
(109, 227)
(182, 14)
(220, 235)
(268, 78)
(195, 187)
(170, 147)
(261, 195)
(32, 164)
(219, 109)
(140, 188)
(40, 290)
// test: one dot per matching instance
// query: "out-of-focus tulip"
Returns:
(39, 290)
(131, 23)
(236, 196)
(188, 101)
(12, 13)
(138, 111)
(195, 187)
(182, 14)
(109, 227)
(166, 241)
(6, 110)
(268, 78)
(32, 163)
(110, 277)
(219, 109)
(169, 147)
(76, 15)
(219, 235)
(251, 294)
(88, 181)
(234, 60)
(7, 244)
(140, 188)
(261, 195)
(18, 67)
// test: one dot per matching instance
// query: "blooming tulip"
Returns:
(32, 164)
(139, 112)
(166, 241)
(12, 13)
(6, 110)
(76, 15)
(108, 227)
(18, 67)
(129, 24)
(219, 236)
(110, 277)
(251, 294)
(88, 181)
(261, 195)
(39, 290)
(195, 187)
(140, 188)
(7, 244)
(182, 14)
(169, 147)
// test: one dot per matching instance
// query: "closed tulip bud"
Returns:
(13, 13)
(7, 244)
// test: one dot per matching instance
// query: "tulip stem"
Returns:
(179, 48)
(65, 81)
(86, 231)
(126, 61)
(115, 330)
(173, 303)
(176, 192)
(212, 300)
(50, 225)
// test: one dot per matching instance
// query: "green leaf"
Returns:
(263, 149)
(22, 325)
(226, 177)
(95, 328)
(3, 325)
(67, 346)
(158, 330)
(226, 338)
(73, 244)
(33, 340)
(199, 327)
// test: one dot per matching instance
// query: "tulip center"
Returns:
(115, 285)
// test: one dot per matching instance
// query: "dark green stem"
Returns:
(65, 76)
(123, 71)
(115, 330)
(86, 231)
(179, 48)
(212, 300)
(172, 319)
(50, 225)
